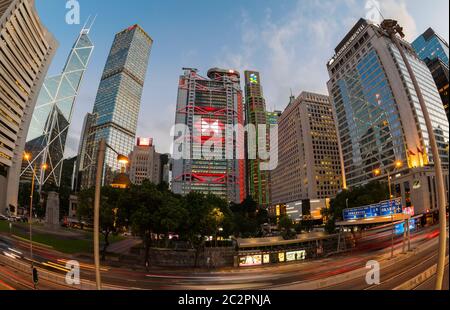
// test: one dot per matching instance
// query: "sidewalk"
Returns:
(124, 246)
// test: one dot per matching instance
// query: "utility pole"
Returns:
(98, 186)
(392, 213)
(393, 28)
(31, 214)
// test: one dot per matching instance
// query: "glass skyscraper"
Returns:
(26, 51)
(118, 102)
(377, 111)
(46, 140)
(212, 158)
(432, 49)
(430, 45)
(255, 107)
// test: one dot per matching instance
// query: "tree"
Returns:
(248, 218)
(147, 201)
(286, 226)
(305, 225)
(109, 220)
(207, 215)
(170, 216)
(371, 193)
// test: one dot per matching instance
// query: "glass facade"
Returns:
(118, 100)
(207, 106)
(434, 51)
(430, 45)
(47, 136)
(376, 107)
(368, 119)
(255, 107)
(433, 101)
(272, 117)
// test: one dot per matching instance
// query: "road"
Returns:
(429, 284)
(307, 275)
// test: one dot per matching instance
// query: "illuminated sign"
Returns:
(145, 142)
(384, 208)
(209, 127)
(253, 78)
(400, 228)
(295, 256)
(409, 211)
(250, 260)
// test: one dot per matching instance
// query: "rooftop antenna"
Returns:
(379, 11)
(88, 24)
(85, 23)
(93, 21)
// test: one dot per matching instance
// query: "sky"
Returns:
(288, 41)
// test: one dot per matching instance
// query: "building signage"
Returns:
(295, 256)
(349, 41)
(250, 260)
(253, 78)
(384, 208)
(145, 142)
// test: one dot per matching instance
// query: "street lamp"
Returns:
(377, 172)
(28, 157)
(122, 159)
(98, 184)
(393, 29)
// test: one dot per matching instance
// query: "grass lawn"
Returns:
(4, 226)
(61, 244)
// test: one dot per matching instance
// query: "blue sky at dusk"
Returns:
(288, 41)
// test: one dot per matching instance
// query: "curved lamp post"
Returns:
(28, 157)
(98, 184)
(377, 172)
(393, 29)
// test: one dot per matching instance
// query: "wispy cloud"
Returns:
(292, 52)
(398, 10)
(290, 47)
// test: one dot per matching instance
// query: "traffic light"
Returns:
(35, 276)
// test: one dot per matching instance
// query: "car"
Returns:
(3, 218)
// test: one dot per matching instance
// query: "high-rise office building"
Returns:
(26, 51)
(118, 102)
(433, 49)
(207, 106)
(145, 163)
(379, 120)
(255, 107)
(47, 136)
(439, 71)
(308, 172)
(430, 45)
(273, 117)
(82, 158)
(165, 160)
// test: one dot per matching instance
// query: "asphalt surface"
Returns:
(430, 283)
(293, 276)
